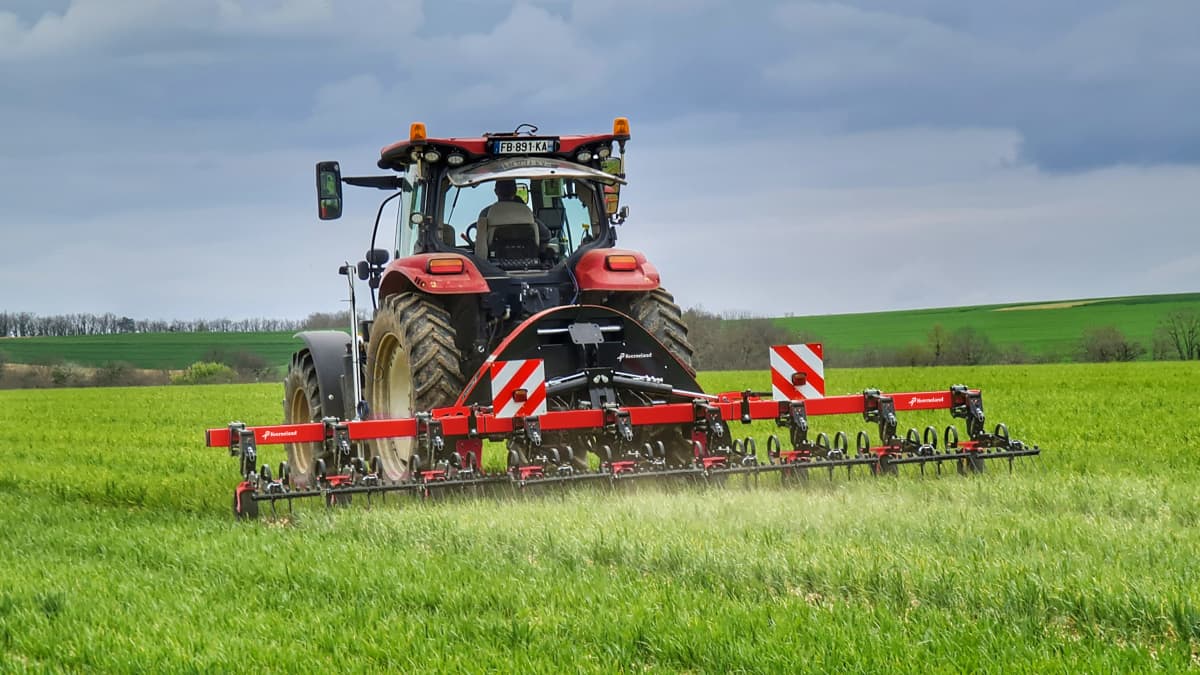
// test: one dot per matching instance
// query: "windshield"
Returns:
(566, 207)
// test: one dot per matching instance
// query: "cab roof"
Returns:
(398, 156)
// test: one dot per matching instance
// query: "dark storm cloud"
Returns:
(1086, 84)
(145, 130)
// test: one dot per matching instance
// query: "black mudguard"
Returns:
(329, 349)
(626, 347)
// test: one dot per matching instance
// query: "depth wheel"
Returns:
(971, 464)
(336, 499)
(677, 447)
(884, 468)
(247, 509)
(301, 405)
(412, 366)
(794, 474)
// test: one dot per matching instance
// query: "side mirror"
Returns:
(329, 190)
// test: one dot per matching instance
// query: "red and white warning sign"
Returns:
(518, 388)
(797, 372)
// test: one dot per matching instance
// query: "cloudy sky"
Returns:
(802, 157)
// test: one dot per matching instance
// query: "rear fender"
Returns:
(330, 351)
(592, 272)
(630, 350)
(412, 274)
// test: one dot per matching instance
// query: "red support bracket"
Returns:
(795, 456)
(530, 471)
(970, 446)
(434, 476)
(622, 467)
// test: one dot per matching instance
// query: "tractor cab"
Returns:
(521, 215)
(518, 220)
(567, 194)
(497, 228)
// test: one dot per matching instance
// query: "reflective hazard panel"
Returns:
(797, 372)
(518, 388)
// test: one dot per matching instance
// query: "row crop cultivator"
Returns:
(531, 328)
(609, 433)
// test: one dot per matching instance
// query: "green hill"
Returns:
(1051, 329)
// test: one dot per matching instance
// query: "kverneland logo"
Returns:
(268, 434)
(622, 356)
(933, 399)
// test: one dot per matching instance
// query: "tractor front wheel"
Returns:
(412, 366)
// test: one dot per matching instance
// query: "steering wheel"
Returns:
(467, 236)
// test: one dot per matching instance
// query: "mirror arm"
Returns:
(377, 182)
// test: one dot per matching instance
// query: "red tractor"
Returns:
(507, 313)
(492, 231)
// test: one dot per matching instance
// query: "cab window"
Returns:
(566, 207)
(410, 203)
(461, 208)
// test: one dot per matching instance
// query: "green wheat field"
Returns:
(118, 550)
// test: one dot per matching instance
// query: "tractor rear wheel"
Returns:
(657, 312)
(412, 366)
(301, 405)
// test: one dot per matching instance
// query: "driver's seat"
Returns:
(509, 226)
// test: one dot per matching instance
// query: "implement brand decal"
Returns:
(280, 434)
(937, 399)
(622, 356)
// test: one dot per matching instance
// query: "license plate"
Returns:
(524, 146)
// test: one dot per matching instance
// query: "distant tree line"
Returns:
(217, 364)
(27, 324)
(731, 342)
